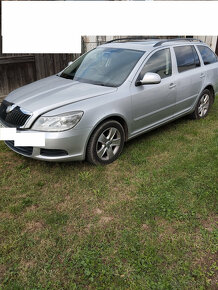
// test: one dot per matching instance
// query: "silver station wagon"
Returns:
(112, 94)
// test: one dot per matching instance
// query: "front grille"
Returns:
(53, 152)
(14, 118)
(27, 150)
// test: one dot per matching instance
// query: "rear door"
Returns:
(189, 78)
(210, 61)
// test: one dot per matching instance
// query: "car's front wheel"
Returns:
(106, 143)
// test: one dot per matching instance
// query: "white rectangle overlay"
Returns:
(22, 139)
(30, 139)
(57, 26)
(7, 133)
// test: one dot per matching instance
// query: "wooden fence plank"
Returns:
(16, 59)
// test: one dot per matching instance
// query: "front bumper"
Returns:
(69, 145)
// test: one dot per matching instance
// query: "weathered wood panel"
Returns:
(90, 42)
(48, 64)
(18, 70)
(16, 59)
(14, 75)
(210, 40)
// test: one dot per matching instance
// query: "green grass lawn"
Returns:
(147, 221)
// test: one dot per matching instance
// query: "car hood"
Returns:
(53, 92)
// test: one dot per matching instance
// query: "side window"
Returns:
(160, 63)
(207, 54)
(186, 57)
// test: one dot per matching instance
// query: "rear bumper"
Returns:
(69, 145)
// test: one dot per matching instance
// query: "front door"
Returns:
(154, 103)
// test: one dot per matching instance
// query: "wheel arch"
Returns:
(211, 89)
(117, 118)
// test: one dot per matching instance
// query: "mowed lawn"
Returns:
(147, 221)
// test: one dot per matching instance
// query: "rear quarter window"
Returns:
(207, 54)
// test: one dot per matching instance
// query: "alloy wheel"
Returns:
(203, 105)
(108, 143)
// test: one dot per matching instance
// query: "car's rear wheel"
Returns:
(106, 143)
(203, 106)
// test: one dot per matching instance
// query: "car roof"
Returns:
(150, 44)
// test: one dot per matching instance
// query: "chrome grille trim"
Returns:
(16, 118)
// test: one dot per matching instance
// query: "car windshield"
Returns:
(103, 66)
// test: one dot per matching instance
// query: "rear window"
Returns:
(207, 54)
(187, 57)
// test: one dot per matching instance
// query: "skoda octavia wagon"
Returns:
(112, 94)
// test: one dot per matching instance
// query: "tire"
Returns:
(106, 143)
(203, 105)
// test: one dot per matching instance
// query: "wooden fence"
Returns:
(18, 70)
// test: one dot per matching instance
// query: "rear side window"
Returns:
(187, 57)
(160, 63)
(207, 54)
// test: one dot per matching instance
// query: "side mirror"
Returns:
(150, 79)
(69, 63)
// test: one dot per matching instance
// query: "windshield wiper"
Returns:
(100, 84)
(65, 76)
(103, 84)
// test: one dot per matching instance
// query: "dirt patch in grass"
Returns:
(11, 160)
(32, 208)
(24, 267)
(207, 262)
(72, 203)
(210, 223)
(119, 180)
(34, 226)
(105, 220)
(2, 272)
(167, 227)
(5, 215)
(145, 227)
(98, 211)
(67, 204)
(70, 228)
(26, 264)
(158, 159)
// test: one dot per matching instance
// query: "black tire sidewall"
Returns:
(91, 151)
(197, 116)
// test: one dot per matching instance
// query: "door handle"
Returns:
(171, 86)
(202, 75)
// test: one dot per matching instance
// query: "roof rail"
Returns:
(176, 39)
(137, 38)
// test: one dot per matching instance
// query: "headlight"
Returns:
(58, 123)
